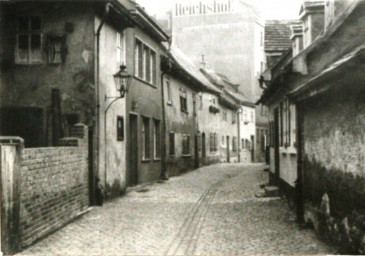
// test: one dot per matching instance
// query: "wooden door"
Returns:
(276, 143)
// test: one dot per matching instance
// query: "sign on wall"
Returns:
(202, 7)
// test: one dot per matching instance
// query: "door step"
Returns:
(272, 191)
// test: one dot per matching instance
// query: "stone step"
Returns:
(272, 191)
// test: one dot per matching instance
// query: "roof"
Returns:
(226, 85)
(277, 35)
(186, 64)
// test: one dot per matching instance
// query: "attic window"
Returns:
(29, 40)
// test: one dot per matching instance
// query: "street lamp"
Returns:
(122, 80)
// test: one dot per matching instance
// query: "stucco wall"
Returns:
(334, 165)
(180, 123)
(112, 172)
(146, 100)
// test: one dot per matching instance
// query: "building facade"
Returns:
(317, 112)
(58, 62)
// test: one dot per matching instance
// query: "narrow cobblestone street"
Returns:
(212, 210)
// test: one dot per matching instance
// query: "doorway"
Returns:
(228, 149)
(196, 151)
(276, 143)
(132, 174)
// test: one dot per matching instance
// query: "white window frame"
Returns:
(121, 48)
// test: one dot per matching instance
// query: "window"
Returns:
(213, 141)
(157, 139)
(200, 101)
(234, 144)
(146, 138)
(54, 47)
(183, 101)
(186, 144)
(194, 105)
(168, 89)
(245, 116)
(120, 128)
(224, 115)
(233, 117)
(172, 143)
(252, 119)
(120, 48)
(145, 63)
(153, 67)
(223, 142)
(29, 40)
(242, 144)
(138, 59)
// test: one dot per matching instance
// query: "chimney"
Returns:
(203, 64)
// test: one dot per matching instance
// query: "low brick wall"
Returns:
(53, 187)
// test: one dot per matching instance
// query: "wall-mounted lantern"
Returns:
(122, 80)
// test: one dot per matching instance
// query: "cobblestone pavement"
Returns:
(212, 210)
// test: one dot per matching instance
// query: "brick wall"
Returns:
(53, 186)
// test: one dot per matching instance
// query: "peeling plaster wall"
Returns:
(334, 164)
(180, 123)
(31, 85)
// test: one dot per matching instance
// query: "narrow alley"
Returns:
(212, 210)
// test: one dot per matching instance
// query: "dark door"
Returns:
(132, 174)
(276, 142)
(300, 181)
(196, 151)
(228, 149)
(204, 152)
(253, 146)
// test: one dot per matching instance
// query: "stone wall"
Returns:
(334, 176)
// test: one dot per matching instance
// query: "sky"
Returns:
(270, 9)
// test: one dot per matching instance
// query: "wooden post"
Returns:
(10, 165)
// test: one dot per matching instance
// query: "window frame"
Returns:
(186, 145)
(145, 62)
(29, 33)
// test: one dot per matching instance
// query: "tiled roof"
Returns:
(277, 35)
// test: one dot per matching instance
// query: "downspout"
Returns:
(97, 94)
(163, 153)
(239, 136)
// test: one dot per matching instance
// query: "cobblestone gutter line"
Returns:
(186, 239)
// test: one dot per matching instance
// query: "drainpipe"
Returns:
(163, 153)
(239, 136)
(97, 93)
